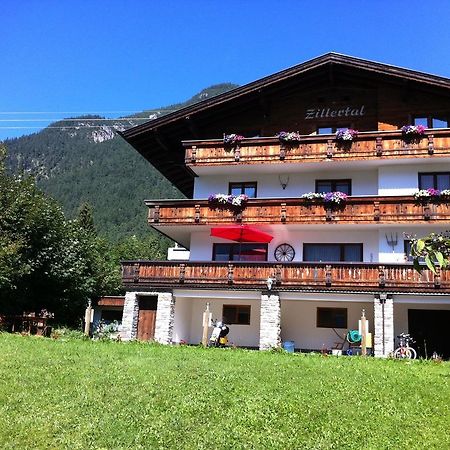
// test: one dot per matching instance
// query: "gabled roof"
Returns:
(159, 141)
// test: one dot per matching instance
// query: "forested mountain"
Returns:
(79, 163)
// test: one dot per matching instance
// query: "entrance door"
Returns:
(147, 318)
(429, 328)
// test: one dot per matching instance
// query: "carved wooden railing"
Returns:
(368, 145)
(373, 209)
(361, 277)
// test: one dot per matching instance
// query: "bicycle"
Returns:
(404, 351)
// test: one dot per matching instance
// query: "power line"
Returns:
(87, 112)
(127, 119)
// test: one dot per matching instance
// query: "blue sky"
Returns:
(67, 56)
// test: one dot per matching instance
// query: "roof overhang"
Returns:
(159, 141)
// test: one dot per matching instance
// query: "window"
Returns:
(407, 250)
(332, 317)
(240, 252)
(431, 121)
(434, 180)
(331, 130)
(344, 186)
(248, 188)
(333, 252)
(236, 314)
(110, 315)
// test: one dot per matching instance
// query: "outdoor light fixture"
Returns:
(270, 282)
(284, 181)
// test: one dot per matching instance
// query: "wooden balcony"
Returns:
(358, 277)
(357, 210)
(373, 145)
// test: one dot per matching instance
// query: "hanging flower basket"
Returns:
(412, 133)
(425, 196)
(235, 203)
(330, 200)
(345, 137)
(231, 141)
(289, 137)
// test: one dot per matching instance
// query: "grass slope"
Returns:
(90, 395)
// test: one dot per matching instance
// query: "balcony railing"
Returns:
(368, 145)
(357, 210)
(360, 277)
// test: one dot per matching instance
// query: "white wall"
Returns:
(364, 182)
(404, 179)
(299, 322)
(386, 254)
(240, 335)
(182, 322)
(201, 242)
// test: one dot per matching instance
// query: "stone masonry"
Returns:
(383, 326)
(128, 329)
(165, 316)
(270, 323)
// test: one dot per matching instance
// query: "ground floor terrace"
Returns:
(266, 318)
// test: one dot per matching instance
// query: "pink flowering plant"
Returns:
(413, 130)
(432, 196)
(232, 140)
(335, 198)
(231, 202)
(329, 199)
(289, 137)
(346, 135)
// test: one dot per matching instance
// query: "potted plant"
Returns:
(235, 203)
(289, 137)
(345, 137)
(231, 141)
(412, 133)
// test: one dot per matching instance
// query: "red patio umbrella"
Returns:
(241, 233)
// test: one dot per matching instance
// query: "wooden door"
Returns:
(147, 318)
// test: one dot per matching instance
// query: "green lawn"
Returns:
(78, 394)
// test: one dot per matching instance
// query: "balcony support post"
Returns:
(430, 144)
(383, 325)
(165, 315)
(379, 146)
(128, 329)
(270, 321)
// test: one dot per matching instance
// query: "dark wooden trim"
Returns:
(305, 277)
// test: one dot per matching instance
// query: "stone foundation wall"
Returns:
(383, 327)
(270, 323)
(165, 316)
(128, 329)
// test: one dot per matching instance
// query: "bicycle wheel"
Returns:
(412, 353)
(405, 353)
(400, 353)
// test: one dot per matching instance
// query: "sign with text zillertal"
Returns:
(326, 112)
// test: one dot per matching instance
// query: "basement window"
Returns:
(331, 317)
(236, 314)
